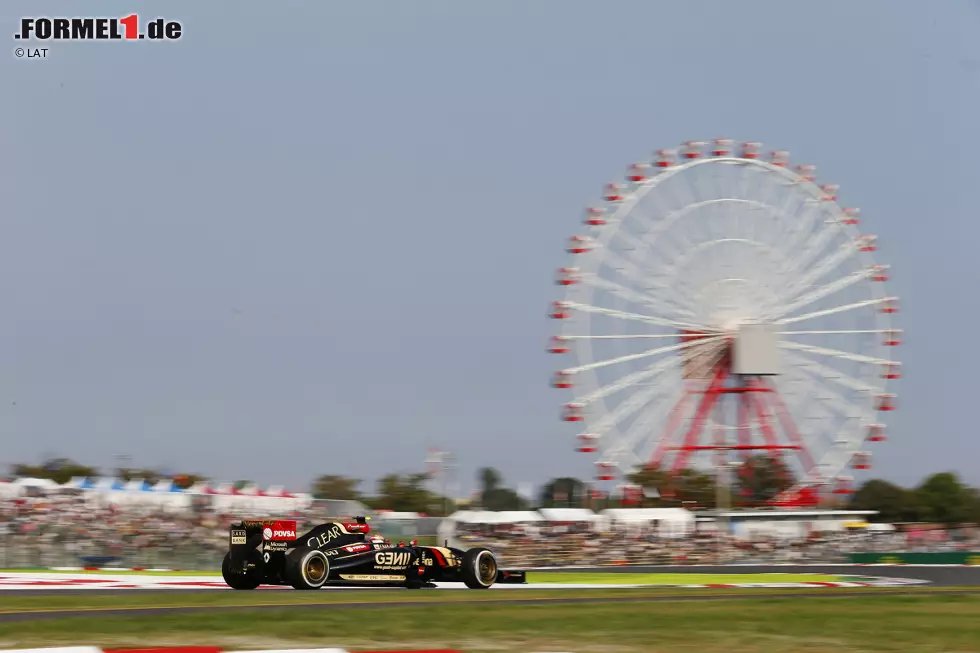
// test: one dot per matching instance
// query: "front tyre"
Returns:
(307, 568)
(237, 580)
(479, 570)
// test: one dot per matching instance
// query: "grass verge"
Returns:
(179, 599)
(871, 622)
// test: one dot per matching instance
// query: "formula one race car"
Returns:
(271, 552)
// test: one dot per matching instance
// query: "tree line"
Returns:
(940, 498)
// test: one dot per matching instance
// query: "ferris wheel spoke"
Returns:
(831, 374)
(834, 331)
(837, 309)
(636, 317)
(824, 291)
(628, 266)
(643, 354)
(649, 373)
(641, 427)
(811, 246)
(832, 262)
(646, 242)
(628, 294)
(642, 336)
(627, 408)
(835, 353)
(842, 405)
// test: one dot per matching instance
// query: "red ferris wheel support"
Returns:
(753, 397)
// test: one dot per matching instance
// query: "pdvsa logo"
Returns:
(128, 28)
(278, 534)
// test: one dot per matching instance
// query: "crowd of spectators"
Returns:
(532, 546)
(67, 530)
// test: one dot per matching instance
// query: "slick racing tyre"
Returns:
(479, 568)
(307, 568)
(237, 580)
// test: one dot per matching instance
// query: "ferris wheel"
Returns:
(722, 304)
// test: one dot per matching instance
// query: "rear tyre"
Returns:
(307, 568)
(237, 580)
(479, 570)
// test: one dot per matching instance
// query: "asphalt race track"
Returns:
(965, 580)
(936, 575)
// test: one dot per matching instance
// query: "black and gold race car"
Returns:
(271, 552)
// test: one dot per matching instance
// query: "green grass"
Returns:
(12, 602)
(867, 622)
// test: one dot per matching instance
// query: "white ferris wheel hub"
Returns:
(719, 304)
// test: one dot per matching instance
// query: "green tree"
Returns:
(407, 493)
(761, 478)
(502, 498)
(493, 494)
(132, 473)
(564, 491)
(333, 486)
(945, 499)
(688, 488)
(893, 503)
(490, 479)
(59, 470)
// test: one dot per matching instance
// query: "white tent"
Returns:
(393, 515)
(38, 483)
(495, 517)
(568, 515)
(668, 522)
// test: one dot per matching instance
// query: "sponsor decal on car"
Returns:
(370, 577)
(326, 537)
(238, 537)
(276, 545)
(357, 548)
(280, 531)
(392, 559)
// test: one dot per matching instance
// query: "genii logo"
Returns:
(392, 559)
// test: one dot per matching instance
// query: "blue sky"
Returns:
(322, 238)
